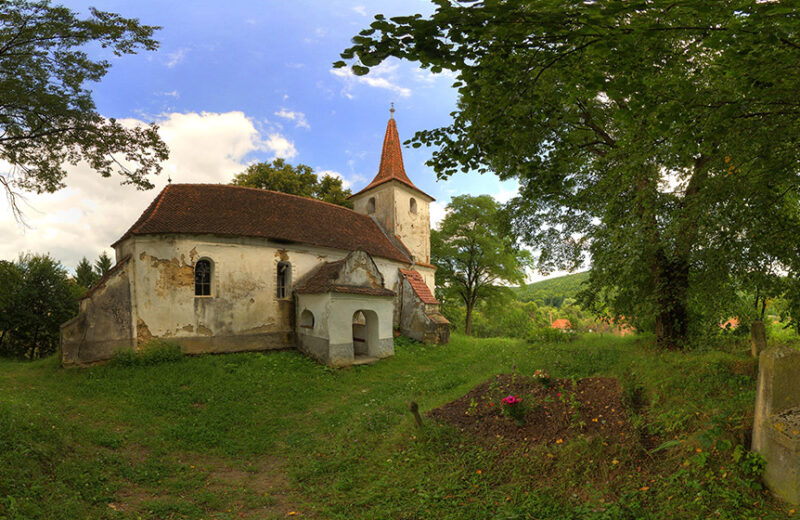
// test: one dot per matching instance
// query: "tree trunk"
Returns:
(468, 320)
(672, 313)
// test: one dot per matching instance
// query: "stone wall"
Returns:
(103, 324)
(776, 422)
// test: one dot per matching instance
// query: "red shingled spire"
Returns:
(391, 167)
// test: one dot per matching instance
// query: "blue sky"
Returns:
(240, 81)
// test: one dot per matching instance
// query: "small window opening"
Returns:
(371, 205)
(284, 279)
(202, 278)
(412, 205)
(307, 319)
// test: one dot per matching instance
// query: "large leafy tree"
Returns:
(47, 115)
(279, 175)
(36, 297)
(475, 251)
(659, 139)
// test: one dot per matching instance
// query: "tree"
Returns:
(642, 134)
(84, 274)
(103, 264)
(36, 297)
(297, 180)
(47, 115)
(475, 251)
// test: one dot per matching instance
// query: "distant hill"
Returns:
(553, 291)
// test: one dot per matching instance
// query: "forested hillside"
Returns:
(553, 291)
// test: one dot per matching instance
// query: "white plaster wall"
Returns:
(342, 308)
(319, 305)
(384, 204)
(414, 229)
(393, 211)
(243, 299)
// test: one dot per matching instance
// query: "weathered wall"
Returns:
(384, 204)
(314, 341)
(393, 212)
(243, 311)
(103, 324)
(414, 229)
(420, 321)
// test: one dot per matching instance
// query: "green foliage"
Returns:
(103, 264)
(48, 118)
(553, 291)
(551, 335)
(36, 297)
(296, 180)
(153, 353)
(475, 251)
(84, 274)
(659, 139)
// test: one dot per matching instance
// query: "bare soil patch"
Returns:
(553, 413)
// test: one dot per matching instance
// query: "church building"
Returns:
(221, 268)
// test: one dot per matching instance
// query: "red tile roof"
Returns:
(220, 209)
(391, 167)
(561, 323)
(322, 281)
(418, 284)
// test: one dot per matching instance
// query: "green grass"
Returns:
(262, 435)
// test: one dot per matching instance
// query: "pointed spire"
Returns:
(391, 156)
(391, 167)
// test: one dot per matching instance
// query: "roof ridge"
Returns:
(333, 204)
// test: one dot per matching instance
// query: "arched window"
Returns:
(202, 278)
(412, 205)
(371, 205)
(284, 281)
(307, 319)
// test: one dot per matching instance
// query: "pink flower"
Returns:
(511, 400)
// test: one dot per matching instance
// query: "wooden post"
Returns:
(414, 407)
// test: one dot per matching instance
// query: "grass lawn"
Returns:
(275, 435)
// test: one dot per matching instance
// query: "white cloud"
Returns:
(91, 213)
(332, 173)
(383, 76)
(174, 58)
(360, 9)
(279, 146)
(298, 117)
(437, 210)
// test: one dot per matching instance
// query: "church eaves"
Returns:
(226, 210)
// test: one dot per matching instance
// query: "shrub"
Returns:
(152, 353)
(549, 335)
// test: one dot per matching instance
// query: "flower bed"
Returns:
(553, 413)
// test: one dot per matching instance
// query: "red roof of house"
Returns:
(391, 167)
(221, 209)
(561, 323)
(418, 284)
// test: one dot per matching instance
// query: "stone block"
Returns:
(776, 422)
(758, 338)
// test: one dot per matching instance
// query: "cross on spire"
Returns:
(391, 111)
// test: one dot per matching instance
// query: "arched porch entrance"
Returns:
(365, 333)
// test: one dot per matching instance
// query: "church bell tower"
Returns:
(399, 207)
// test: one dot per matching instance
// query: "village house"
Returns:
(220, 268)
